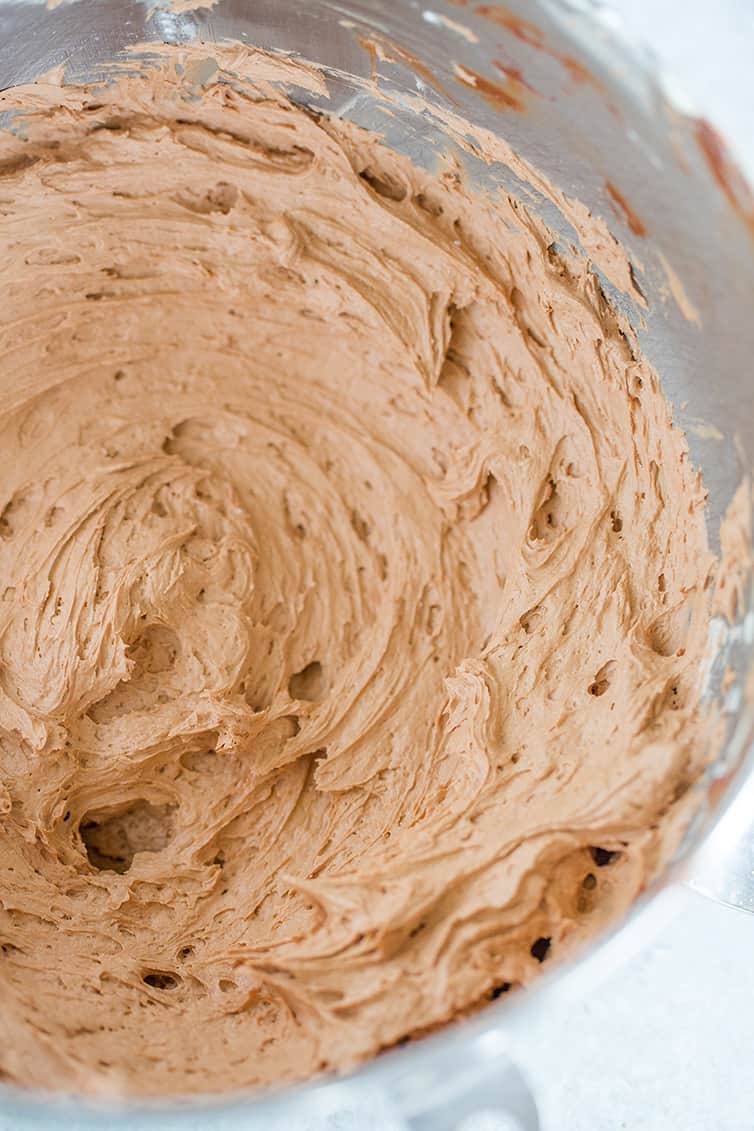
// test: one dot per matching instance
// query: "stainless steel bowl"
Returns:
(590, 115)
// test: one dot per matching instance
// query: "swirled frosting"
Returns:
(352, 595)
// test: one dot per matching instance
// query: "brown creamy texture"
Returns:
(352, 593)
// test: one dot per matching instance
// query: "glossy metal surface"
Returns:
(589, 113)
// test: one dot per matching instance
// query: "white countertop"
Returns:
(664, 1044)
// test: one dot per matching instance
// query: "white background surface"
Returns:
(665, 1044)
(706, 49)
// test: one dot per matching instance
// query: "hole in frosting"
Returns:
(489, 493)
(385, 185)
(667, 634)
(13, 514)
(603, 857)
(161, 980)
(428, 203)
(529, 620)
(112, 840)
(589, 882)
(540, 948)
(360, 526)
(434, 619)
(227, 985)
(546, 517)
(455, 369)
(602, 679)
(220, 198)
(308, 683)
(499, 990)
(616, 522)
(558, 260)
(522, 312)
(184, 430)
(635, 386)
(114, 124)
(199, 761)
(153, 655)
(295, 513)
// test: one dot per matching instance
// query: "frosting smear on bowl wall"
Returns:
(354, 591)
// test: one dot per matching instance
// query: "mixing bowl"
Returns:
(575, 99)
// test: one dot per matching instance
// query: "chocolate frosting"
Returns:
(352, 594)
